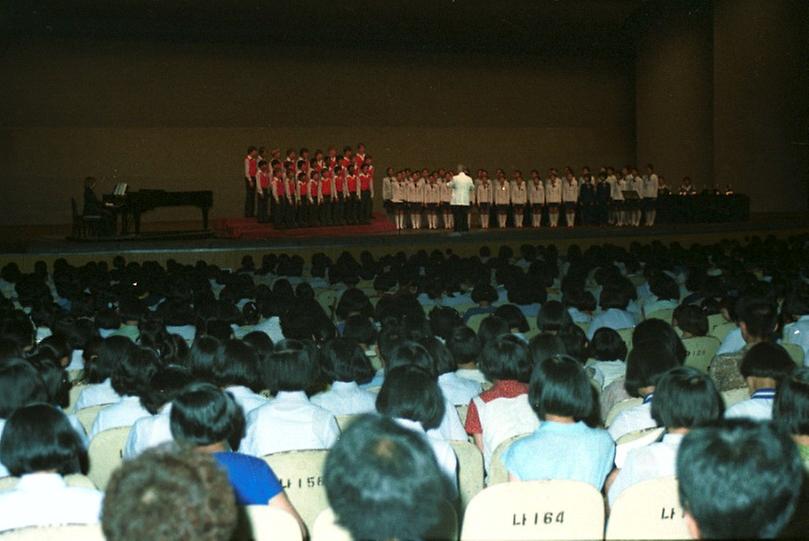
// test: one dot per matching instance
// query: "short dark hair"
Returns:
(360, 328)
(442, 356)
(514, 316)
(383, 482)
(134, 372)
(613, 296)
(410, 392)
(291, 367)
(20, 385)
(664, 287)
(767, 360)
(791, 406)
(505, 358)
(490, 328)
(109, 354)
(39, 438)
(167, 382)
(552, 317)
(543, 346)
(646, 363)
(661, 333)
(443, 319)
(575, 341)
(685, 398)
(168, 493)
(484, 293)
(342, 359)
(464, 345)
(607, 345)
(203, 355)
(739, 479)
(409, 353)
(759, 315)
(691, 319)
(560, 386)
(236, 363)
(204, 414)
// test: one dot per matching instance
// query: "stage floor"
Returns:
(164, 241)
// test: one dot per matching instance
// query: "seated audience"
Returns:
(383, 481)
(644, 367)
(208, 419)
(412, 397)
(791, 410)
(167, 493)
(795, 312)
(613, 302)
(40, 446)
(563, 447)
(236, 370)
(457, 390)
(684, 398)
(691, 320)
(763, 367)
(504, 410)
(346, 367)
(738, 479)
(464, 345)
(290, 421)
(552, 318)
(130, 380)
(607, 360)
(99, 369)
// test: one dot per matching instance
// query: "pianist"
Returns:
(94, 207)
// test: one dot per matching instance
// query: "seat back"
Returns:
(265, 523)
(734, 396)
(721, 331)
(301, 475)
(619, 407)
(106, 454)
(634, 440)
(68, 532)
(626, 336)
(701, 351)
(463, 411)
(87, 416)
(535, 510)
(648, 510)
(497, 470)
(665, 314)
(75, 391)
(795, 352)
(474, 321)
(470, 470)
(327, 299)
(344, 420)
(326, 528)
(714, 320)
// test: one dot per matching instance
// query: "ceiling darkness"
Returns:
(524, 26)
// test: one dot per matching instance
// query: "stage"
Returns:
(232, 238)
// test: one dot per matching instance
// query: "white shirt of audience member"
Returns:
(123, 413)
(457, 390)
(97, 394)
(758, 407)
(732, 343)
(798, 333)
(148, 432)
(290, 422)
(635, 418)
(345, 398)
(43, 499)
(444, 455)
(653, 461)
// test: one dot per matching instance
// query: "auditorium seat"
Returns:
(475, 321)
(795, 352)
(106, 454)
(75, 391)
(619, 407)
(714, 320)
(721, 331)
(301, 475)
(665, 315)
(87, 416)
(497, 470)
(648, 510)
(701, 351)
(463, 411)
(325, 527)
(734, 396)
(626, 336)
(344, 420)
(635, 440)
(535, 510)
(264, 523)
(470, 470)
(70, 532)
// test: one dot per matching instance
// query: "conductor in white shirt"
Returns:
(462, 187)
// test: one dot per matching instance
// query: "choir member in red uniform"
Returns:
(366, 187)
(341, 204)
(347, 158)
(326, 198)
(353, 196)
(280, 199)
(250, 172)
(262, 190)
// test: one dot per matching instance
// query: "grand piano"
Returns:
(131, 205)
